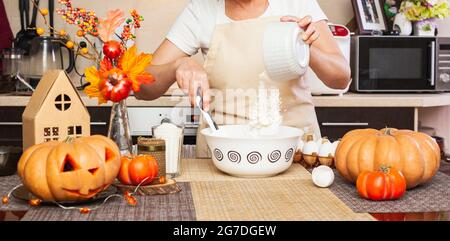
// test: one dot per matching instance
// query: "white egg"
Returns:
(300, 144)
(326, 150)
(335, 145)
(310, 147)
(322, 176)
(319, 143)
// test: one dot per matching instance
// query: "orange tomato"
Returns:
(385, 184)
(134, 170)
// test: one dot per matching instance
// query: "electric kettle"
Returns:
(45, 54)
(12, 60)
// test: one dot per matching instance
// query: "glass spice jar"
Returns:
(157, 148)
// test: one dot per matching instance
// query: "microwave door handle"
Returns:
(433, 63)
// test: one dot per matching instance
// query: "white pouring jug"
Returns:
(286, 56)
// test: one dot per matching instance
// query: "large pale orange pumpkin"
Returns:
(415, 154)
(72, 170)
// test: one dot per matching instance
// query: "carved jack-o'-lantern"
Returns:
(71, 170)
(110, 153)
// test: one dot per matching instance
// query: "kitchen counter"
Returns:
(164, 101)
(347, 100)
(383, 100)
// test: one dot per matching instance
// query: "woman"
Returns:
(228, 32)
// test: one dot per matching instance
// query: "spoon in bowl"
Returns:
(206, 114)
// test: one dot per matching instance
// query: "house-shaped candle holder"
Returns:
(54, 112)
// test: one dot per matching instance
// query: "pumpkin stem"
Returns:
(69, 139)
(309, 138)
(385, 169)
(388, 131)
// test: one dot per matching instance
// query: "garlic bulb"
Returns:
(322, 176)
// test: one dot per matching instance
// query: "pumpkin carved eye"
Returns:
(109, 155)
(69, 164)
(93, 171)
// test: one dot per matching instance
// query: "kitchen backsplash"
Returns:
(160, 14)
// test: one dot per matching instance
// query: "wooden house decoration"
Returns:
(54, 112)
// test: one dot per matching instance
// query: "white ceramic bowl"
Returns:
(236, 152)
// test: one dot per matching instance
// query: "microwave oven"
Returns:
(400, 64)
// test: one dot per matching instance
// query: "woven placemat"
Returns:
(204, 170)
(173, 207)
(430, 197)
(6, 184)
(266, 199)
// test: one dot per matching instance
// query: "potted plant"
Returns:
(423, 13)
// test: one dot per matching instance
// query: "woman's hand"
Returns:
(326, 58)
(190, 75)
(310, 34)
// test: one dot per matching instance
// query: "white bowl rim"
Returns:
(208, 133)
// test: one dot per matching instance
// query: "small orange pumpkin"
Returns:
(414, 154)
(73, 170)
(137, 170)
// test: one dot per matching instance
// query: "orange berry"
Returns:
(80, 33)
(40, 31)
(35, 202)
(85, 210)
(62, 32)
(43, 11)
(69, 44)
(5, 200)
(131, 200)
(162, 179)
(84, 50)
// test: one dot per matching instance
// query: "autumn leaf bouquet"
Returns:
(120, 68)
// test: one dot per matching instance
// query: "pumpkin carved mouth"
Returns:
(90, 194)
(93, 171)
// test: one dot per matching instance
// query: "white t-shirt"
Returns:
(193, 29)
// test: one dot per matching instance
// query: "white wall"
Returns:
(444, 26)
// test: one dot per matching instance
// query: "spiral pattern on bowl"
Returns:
(254, 157)
(234, 156)
(274, 156)
(289, 154)
(218, 154)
